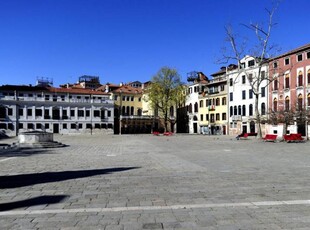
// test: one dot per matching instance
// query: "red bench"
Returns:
(293, 137)
(242, 136)
(155, 133)
(168, 133)
(270, 137)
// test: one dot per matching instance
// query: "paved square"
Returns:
(156, 182)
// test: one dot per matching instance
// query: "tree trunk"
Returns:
(257, 115)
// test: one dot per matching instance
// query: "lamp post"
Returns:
(120, 112)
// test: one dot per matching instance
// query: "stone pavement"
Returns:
(156, 182)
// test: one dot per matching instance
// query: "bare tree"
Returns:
(261, 51)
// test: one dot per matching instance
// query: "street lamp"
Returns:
(120, 112)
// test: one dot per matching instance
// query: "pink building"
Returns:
(290, 86)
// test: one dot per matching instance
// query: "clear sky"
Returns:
(128, 40)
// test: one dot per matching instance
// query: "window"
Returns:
(230, 82)
(308, 99)
(250, 93)
(243, 110)
(308, 55)
(139, 99)
(124, 98)
(287, 81)
(231, 96)
(231, 111)
(287, 103)
(239, 110)
(64, 126)
(222, 87)
(243, 94)
(29, 112)
(207, 117)
(275, 84)
(251, 63)
(217, 101)
(201, 117)
(262, 90)
(46, 114)
(47, 97)
(275, 65)
(250, 77)
(223, 116)
(80, 126)
(87, 113)
(275, 104)
(72, 113)
(38, 112)
(300, 78)
(299, 57)
(132, 98)
(115, 97)
(308, 77)
(243, 79)
(21, 112)
(263, 108)
(224, 101)
(212, 118)
(109, 113)
(190, 108)
(132, 110)
(29, 126)
(217, 116)
(73, 126)
(250, 110)
(10, 111)
(263, 74)
(287, 61)
(47, 126)
(299, 102)
(196, 108)
(96, 113)
(21, 125)
(201, 103)
(39, 126)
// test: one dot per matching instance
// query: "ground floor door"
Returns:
(56, 128)
(195, 127)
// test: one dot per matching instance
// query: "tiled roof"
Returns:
(299, 49)
(128, 90)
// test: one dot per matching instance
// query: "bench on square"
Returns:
(270, 137)
(293, 137)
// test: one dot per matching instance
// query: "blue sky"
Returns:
(128, 40)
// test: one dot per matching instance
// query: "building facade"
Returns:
(241, 103)
(289, 91)
(56, 110)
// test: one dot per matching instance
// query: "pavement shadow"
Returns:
(23, 152)
(22, 180)
(41, 200)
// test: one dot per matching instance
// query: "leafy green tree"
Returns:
(166, 91)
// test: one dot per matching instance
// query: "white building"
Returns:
(192, 102)
(241, 99)
(56, 110)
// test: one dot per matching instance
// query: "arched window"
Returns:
(123, 110)
(275, 84)
(243, 110)
(132, 110)
(275, 104)
(308, 76)
(139, 112)
(235, 110)
(196, 108)
(224, 101)
(239, 110)
(127, 110)
(190, 108)
(287, 81)
(287, 103)
(263, 108)
(299, 105)
(217, 101)
(300, 78)
(213, 101)
(250, 110)
(231, 110)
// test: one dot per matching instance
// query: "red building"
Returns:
(289, 90)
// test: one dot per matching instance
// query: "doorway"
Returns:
(55, 128)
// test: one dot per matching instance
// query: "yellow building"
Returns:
(213, 105)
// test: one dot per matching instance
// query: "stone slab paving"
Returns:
(156, 182)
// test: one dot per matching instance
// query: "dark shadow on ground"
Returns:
(32, 202)
(23, 152)
(16, 181)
